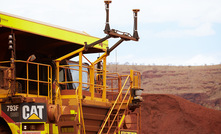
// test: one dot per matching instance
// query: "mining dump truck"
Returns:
(44, 91)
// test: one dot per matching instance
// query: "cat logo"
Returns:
(33, 112)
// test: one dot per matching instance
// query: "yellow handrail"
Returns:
(36, 78)
(109, 113)
(81, 117)
(120, 108)
(124, 112)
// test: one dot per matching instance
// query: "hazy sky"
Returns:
(175, 32)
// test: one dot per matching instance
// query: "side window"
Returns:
(65, 76)
(75, 75)
(61, 75)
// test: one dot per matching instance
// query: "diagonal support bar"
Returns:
(114, 46)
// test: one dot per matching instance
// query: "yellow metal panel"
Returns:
(68, 96)
(14, 128)
(46, 128)
(39, 28)
(55, 129)
(73, 112)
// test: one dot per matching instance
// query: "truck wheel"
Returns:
(4, 128)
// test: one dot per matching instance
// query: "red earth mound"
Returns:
(169, 114)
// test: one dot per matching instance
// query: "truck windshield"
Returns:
(75, 74)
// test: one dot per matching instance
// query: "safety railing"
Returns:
(82, 76)
(98, 83)
(113, 106)
(113, 85)
(123, 98)
(97, 80)
(32, 78)
(135, 78)
(93, 80)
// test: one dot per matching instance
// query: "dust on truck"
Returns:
(43, 91)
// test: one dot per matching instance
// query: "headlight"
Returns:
(138, 92)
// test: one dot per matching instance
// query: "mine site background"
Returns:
(198, 84)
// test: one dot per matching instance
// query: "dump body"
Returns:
(53, 94)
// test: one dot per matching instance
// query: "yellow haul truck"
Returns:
(43, 92)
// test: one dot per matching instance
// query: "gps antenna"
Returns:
(107, 26)
(135, 34)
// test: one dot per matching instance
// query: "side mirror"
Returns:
(31, 58)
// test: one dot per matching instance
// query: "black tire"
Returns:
(4, 128)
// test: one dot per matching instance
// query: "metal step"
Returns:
(91, 128)
(94, 116)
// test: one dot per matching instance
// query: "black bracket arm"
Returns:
(95, 43)
(114, 46)
(115, 33)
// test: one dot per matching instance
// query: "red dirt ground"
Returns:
(169, 114)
